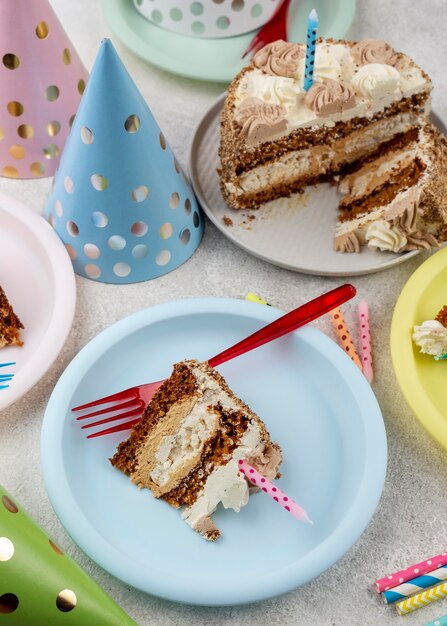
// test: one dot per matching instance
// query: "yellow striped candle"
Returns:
(422, 599)
(344, 336)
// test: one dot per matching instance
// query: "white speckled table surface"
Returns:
(410, 522)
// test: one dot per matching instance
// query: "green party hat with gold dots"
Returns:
(42, 586)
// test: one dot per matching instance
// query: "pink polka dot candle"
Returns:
(365, 341)
(257, 479)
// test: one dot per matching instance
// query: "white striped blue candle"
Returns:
(312, 25)
(414, 585)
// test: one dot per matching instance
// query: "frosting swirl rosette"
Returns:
(376, 81)
(374, 51)
(260, 121)
(348, 242)
(330, 96)
(279, 58)
(385, 236)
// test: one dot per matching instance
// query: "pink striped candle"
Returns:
(411, 572)
(278, 496)
(365, 341)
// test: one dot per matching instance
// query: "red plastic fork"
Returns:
(136, 398)
(276, 28)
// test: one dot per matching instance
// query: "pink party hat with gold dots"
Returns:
(41, 83)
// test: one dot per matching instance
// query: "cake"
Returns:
(431, 335)
(187, 445)
(363, 124)
(10, 325)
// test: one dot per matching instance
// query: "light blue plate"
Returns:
(315, 403)
(216, 60)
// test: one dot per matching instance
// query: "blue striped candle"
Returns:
(312, 25)
(441, 621)
(414, 585)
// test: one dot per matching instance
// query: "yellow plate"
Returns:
(423, 380)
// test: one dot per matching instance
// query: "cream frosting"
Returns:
(271, 89)
(376, 84)
(330, 96)
(374, 51)
(349, 242)
(260, 120)
(279, 58)
(431, 338)
(384, 236)
(326, 65)
(226, 484)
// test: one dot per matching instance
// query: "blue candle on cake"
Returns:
(312, 25)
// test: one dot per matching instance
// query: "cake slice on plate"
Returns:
(187, 445)
(397, 201)
(10, 324)
(431, 336)
(366, 110)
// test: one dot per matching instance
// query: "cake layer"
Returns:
(186, 446)
(10, 324)
(407, 210)
(291, 171)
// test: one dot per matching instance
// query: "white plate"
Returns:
(37, 276)
(295, 233)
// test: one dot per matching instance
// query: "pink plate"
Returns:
(37, 276)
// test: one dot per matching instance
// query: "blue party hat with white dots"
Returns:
(120, 201)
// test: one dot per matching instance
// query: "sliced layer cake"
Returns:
(10, 324)
(276, 137)
(187, 445)
(362, 122)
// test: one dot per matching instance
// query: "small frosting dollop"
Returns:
(374, 51)
(329, 97)
(420, 241)
(272, 89)
(325, 66)
(377, 81)
(384, 236)
(348, 242)
(431, 338)
(260, 121)
(279, 58)
(416, 240)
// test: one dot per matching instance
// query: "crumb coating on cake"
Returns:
(442, 316)
(10, 324)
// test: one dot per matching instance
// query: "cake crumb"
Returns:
(227, 220)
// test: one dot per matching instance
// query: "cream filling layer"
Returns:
(373, 175)
(226, 484)
(174, 446)
(320, 159)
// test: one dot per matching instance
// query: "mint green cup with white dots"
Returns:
(208, 18)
